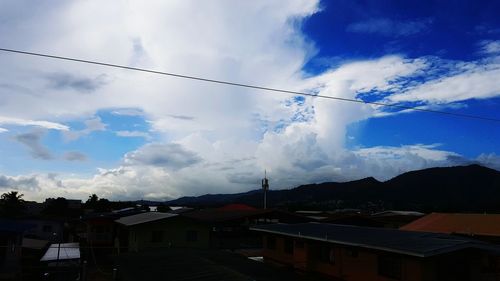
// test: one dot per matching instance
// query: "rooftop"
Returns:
(63, 251)
(398, 213)
(420, 244)
(143, 218)
(215, 215)
(468, 224)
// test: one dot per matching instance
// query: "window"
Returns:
(156, 236)
(352, 252)
(299, 244)
(288, 246)
(389, 266)
(327, 254)
(271, 242)
(47, 228)
(191, 235)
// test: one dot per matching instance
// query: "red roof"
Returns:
(236, 207)
(468, 224)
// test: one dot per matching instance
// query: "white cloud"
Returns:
(133, 134)
(490, 47)
(172, 156)
(23, 122)
(473, 81)
(91, 125)
(211, 138)
(3, 130)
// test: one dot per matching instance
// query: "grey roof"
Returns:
(143, 218)
(63, 251)
(420, 244)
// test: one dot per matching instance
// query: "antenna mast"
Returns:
(265, 188)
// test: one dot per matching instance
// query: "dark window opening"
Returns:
(271, 242)
(352, 252)
(156, 236)
(191, 236)
(288, 246)
(327, 255)
(389, 266)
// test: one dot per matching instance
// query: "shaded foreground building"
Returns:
(355, 253)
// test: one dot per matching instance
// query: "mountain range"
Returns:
(470, 188)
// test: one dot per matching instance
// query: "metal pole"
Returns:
(265, 199)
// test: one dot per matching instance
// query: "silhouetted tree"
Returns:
(57, 206)
(92, 201)
(11, 204)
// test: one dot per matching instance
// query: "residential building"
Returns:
(395, 219)
(229, 225)
(485, 227)
(11, 235)
(355, 253)
(153, 230)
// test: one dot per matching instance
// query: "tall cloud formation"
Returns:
(214, 138)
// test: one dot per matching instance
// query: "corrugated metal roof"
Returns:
(215, 215)
(468, 224)
(63, 251)
(420, 244)
(398, 213)
(143, 218)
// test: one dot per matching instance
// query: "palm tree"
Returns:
(11, 203)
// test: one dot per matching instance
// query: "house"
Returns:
(153, 230)
(485, 227)
(395, 219)
(11, 235)
(355, 253)
(46, 229)
(61, 261)
(229, 225)
(99, 228)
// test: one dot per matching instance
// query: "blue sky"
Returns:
(68, 129)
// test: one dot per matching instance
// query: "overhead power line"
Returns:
(257, 87)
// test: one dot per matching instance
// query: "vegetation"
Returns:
(11, 204)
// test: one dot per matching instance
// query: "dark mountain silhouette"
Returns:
(463, 188)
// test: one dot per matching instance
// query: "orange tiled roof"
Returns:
(469, 224)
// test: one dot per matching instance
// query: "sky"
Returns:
(70, 130)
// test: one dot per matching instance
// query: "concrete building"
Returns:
(153, 230)
(354, 253)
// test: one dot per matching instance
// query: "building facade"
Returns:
(354, 253)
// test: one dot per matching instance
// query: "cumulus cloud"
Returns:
(23, 183)
(32, 142)
(172, 156)
(216, 138)
(388, 27)
(91, 125)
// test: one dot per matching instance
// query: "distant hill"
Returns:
(463, 188)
